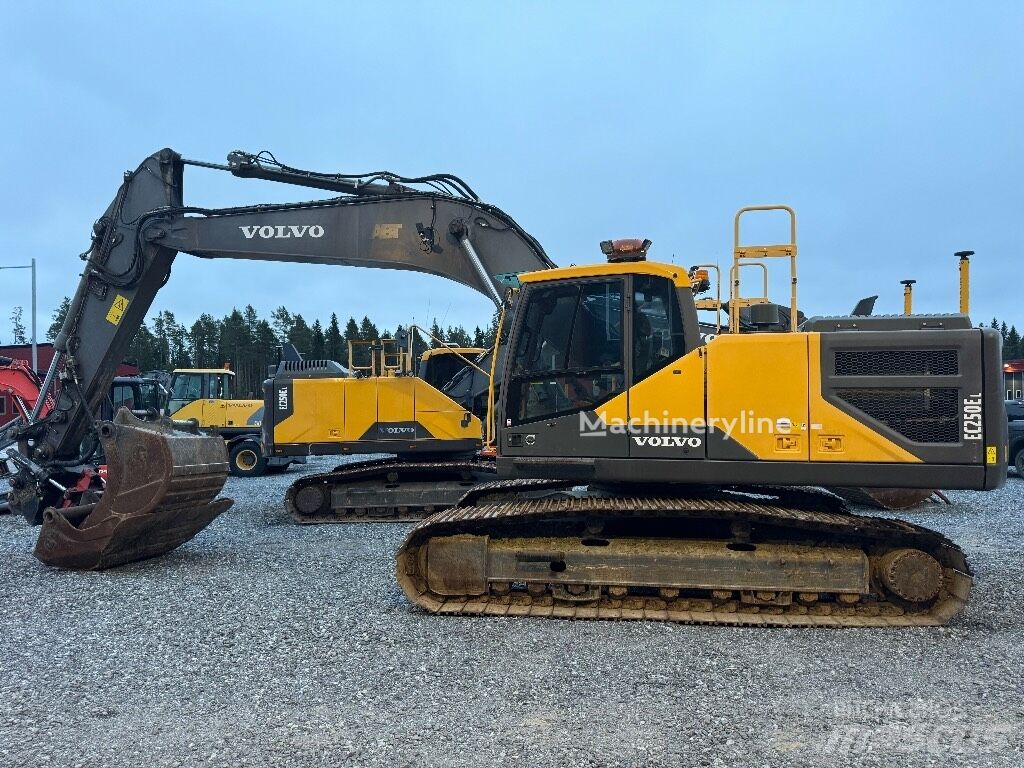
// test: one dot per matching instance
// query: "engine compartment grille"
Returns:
(921, 414)
(897, 362)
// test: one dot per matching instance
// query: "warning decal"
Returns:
(117, 309)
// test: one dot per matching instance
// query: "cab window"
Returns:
(657, 325)
(218, 386)
(569, 355)
(187, 387)
(149, 394)
(124, 396)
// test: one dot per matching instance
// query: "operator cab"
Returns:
(135, 394)
(187, 386)
(439, 366)
(587, 334)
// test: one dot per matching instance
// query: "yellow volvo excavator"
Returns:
(639, 477)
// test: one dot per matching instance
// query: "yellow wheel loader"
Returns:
(639, 477)
(205, 396)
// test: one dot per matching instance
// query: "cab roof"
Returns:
(674, 272)
(464, 351)
(204, 370)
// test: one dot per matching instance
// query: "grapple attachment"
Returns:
(160, 492)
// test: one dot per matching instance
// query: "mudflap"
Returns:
(161, 491)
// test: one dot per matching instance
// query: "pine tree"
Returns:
(301, 335)
(457, 335)
(234, 349)
(436, 335)
(367, 330)
(282, 322)
(18, 327)
(1004, 330)
(352, 335)
(318, 347)
(143, 350)
(1012, 346)
(58, 319)
(204, 341)
(265, 354)
(492, 330)
(333, 342)
(161, 342)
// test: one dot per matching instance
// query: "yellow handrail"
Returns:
(741, 252)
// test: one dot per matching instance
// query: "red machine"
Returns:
(18, 380)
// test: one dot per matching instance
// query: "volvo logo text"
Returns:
(282, 231)
(668, 441)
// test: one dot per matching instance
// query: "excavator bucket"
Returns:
(160, 492)
(891, 499)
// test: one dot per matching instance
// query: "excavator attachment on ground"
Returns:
(161, 489)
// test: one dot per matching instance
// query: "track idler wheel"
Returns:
(911, 574)
(161, 491)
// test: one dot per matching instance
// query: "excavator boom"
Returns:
(164, 480)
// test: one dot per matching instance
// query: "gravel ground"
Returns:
(265, 643)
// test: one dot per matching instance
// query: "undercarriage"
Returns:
(385, 490)
(737, 556)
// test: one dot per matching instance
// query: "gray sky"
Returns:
(895, 130)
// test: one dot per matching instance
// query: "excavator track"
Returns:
(384, 490)
(791, 557)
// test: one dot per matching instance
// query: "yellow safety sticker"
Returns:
(117, 309)
(991, 455)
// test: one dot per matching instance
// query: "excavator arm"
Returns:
(162, 478)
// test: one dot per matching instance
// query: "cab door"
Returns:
(216, 392)
(666, 393)
(568, 363)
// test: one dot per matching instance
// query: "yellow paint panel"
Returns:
(343, 410)
(228, 413)
(442, 416)
(837, 436)
(396, 399)
(117, 309)
(360, 406)
(193, 410)
(318, 407)
(674, 393)
(756, 386)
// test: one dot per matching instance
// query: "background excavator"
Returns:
(142, 394)
(625, 492)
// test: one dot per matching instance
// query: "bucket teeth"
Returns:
(161, 491)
